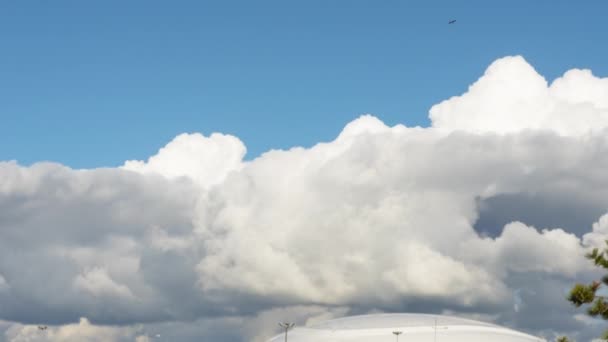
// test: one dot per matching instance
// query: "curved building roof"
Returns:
(412, 328)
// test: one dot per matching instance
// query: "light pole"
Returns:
(397, 333)
(286, 326)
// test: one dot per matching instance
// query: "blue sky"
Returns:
(91, 84)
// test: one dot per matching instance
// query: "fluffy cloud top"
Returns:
(597, 237)
(511, 96)
(205, 160)
(381, 218)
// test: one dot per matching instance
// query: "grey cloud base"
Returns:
(197, 243)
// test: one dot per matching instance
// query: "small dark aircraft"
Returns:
(452, 21)
(42, 327)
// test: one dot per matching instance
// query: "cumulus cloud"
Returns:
(202, 245)
(597, 237)
(205, 160)
(97, 282)
(366, 225)
(522, 248)
(511, 96)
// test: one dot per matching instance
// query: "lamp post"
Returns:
(286, 326)
(397, 333)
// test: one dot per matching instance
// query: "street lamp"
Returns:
(397, 333)
(286, 326)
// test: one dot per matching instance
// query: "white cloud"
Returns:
(368, 223)
(599, 235)
(98, 282)
(427, 273)
(511, 97)
(206, 160)
(366, 124)
(522, 248)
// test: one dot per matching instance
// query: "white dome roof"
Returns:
(413, 328)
